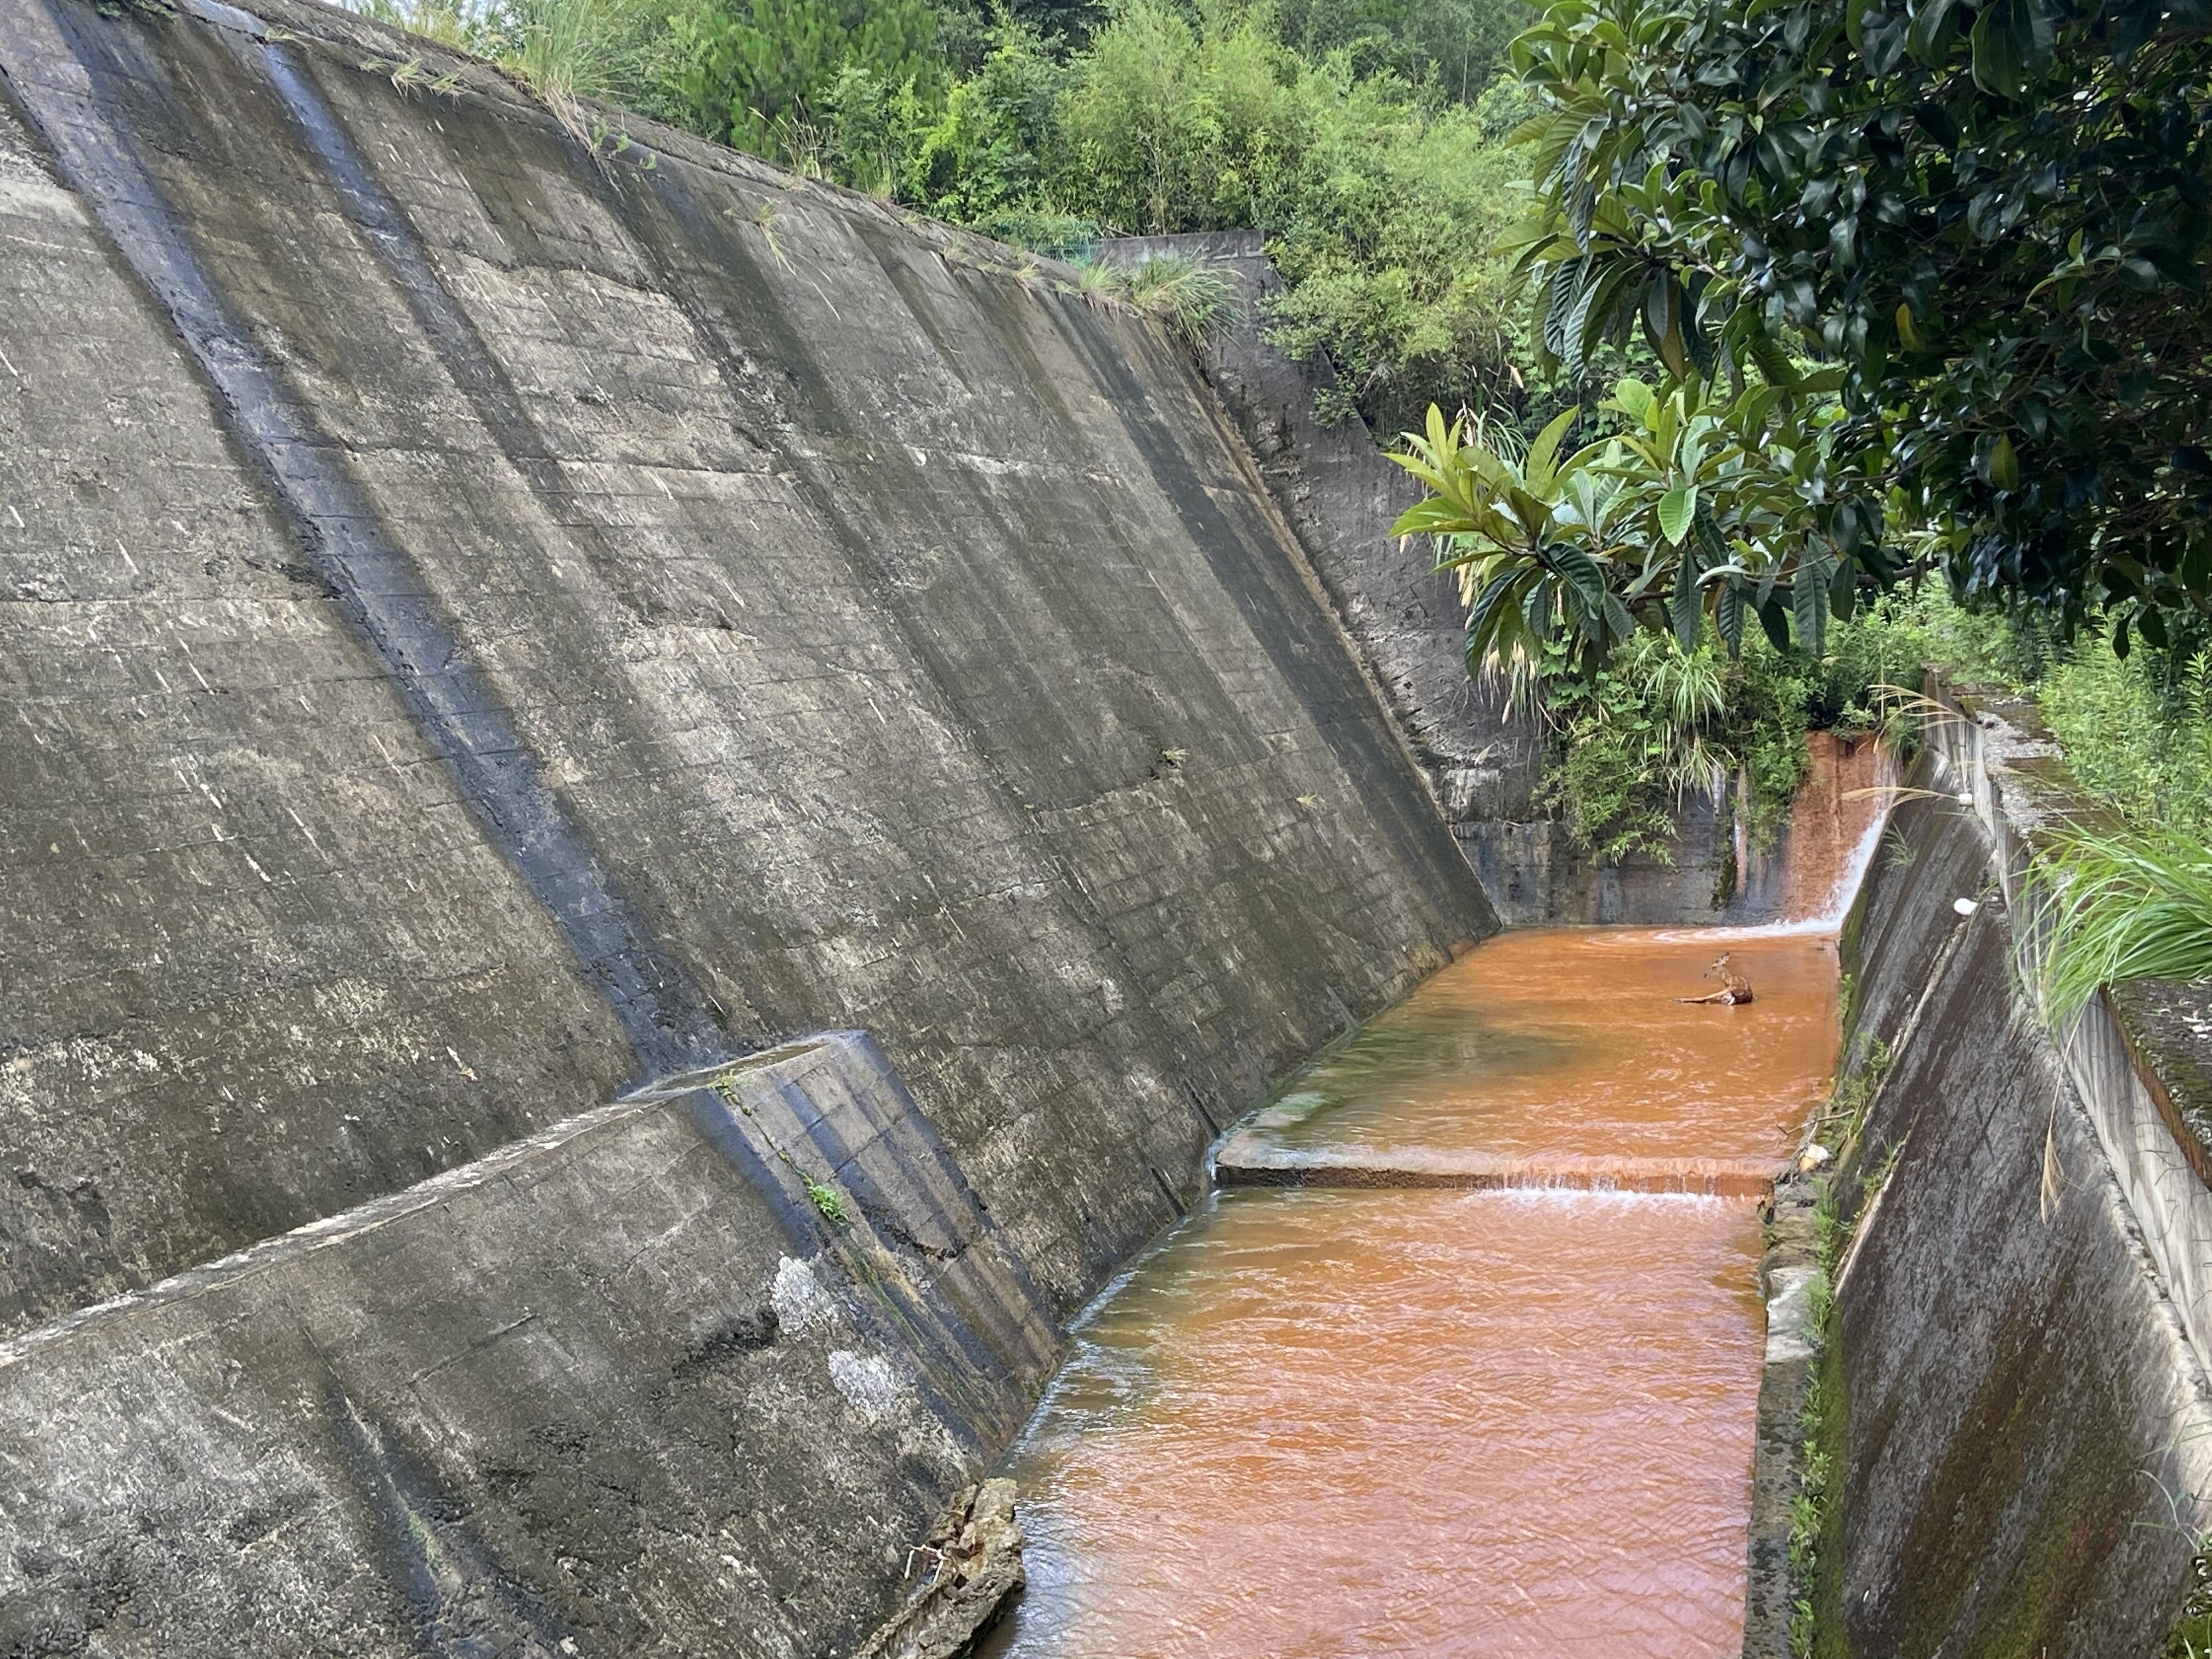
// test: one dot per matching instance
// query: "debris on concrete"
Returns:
(969, 1566)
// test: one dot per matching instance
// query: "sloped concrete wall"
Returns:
(2015, 1382)
(621, 1388)
(491, 617)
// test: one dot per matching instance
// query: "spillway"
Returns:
(1349, 1409)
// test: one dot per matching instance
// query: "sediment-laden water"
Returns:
(1387, 1421)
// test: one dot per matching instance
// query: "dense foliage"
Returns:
(2130, 897)
(753, 72)
(1659, 724)
(1365, 140)
(1985, 219)
(1698, 503)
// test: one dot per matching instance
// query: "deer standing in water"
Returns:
(1734, 987)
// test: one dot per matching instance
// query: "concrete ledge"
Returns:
(1789, 1267)
(592, 1394)
(1249, 1160)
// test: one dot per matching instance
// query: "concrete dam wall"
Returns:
(649, 816)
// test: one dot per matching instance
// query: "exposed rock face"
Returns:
(1484, 763)
(490, 622)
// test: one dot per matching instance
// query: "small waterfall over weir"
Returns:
(1462, 1357)
(1836, 825)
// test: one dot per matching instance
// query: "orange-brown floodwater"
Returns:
(1570, 1040)
(1395, 1421)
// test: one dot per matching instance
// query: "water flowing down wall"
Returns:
(497, 612)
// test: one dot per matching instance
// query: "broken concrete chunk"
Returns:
(968, 1569)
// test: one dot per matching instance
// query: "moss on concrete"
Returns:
(2026, 1576)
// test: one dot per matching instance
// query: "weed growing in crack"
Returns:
(826, 1200)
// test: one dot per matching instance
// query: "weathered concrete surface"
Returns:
(1789, 1267)
(909, 645)
(2023, 1415)
(486, 624)
(1252, 1159)
(1342, 495)
(1484, 763)
(258, 963)
(967, 1571)
(524, 1407)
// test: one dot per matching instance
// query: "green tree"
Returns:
(1989, 216)
(754, 72)
(1174, 127)
(1445, 48)
(1713, 506)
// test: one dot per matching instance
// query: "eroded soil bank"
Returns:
(1424, 1422)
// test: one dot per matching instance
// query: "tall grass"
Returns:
(442, 20)
(563, 50)
(2137, 732)
(1195, 299)
(567, 49)
(2116, 906)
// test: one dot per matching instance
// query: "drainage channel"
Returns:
(1463, 1356)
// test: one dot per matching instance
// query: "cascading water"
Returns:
(1348, 1410)
(1836, 824)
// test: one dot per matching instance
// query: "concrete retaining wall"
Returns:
(2015, 1388)
(493, 618)
(620, 1388)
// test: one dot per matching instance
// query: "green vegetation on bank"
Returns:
(2129, 898)
(1658, 725)
(1365, 140)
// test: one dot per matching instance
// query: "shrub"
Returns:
(1387, 262)
(754, 72)
(1445, 48)
(1178, 128)
(2137, 731)
(570, 49)
(1658, 725)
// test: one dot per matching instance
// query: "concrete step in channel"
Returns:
(1255, 1159)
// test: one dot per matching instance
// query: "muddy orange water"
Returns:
(1324, 1422)
(1571, 1041)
